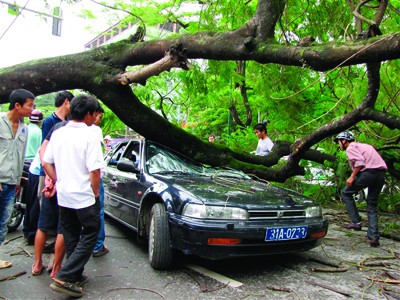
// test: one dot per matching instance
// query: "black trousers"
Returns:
(374, 180)
(80, 228)
(32, 210)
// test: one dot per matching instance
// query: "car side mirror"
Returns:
(127, 166)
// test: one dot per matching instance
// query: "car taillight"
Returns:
(223, 241)
(320, 234)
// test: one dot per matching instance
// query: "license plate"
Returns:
(286, 233)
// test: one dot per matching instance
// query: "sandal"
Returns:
(37, 273)
(68, 288)
(5, 264)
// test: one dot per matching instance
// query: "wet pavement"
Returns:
(357, 271)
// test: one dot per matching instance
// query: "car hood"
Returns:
(235, 192)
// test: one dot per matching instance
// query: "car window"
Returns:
(132, 153)
(117, 154)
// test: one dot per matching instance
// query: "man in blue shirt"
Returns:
(62, 104)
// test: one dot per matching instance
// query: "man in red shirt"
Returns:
(368, 171)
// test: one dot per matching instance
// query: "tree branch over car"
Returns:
(106, 73)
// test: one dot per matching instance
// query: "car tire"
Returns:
(160, 251)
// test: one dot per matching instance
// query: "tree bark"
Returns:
(102, 72)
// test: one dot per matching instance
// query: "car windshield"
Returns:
(231, 173)
(164, 161)
(161, 160)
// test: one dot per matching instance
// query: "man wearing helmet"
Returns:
(368, 170)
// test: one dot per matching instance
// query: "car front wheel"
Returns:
(160, 251)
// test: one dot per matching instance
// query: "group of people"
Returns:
(70, 159)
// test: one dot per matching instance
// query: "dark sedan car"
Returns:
(179, 204)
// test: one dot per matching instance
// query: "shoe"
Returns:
(68, 288)
(102, 252)
(374, 243)
(83, 281)
(30, 241)
(40, 271)
(355, 226)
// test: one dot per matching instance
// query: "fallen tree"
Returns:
(103, 73)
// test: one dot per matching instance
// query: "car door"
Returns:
(123, 186)
(110, 174)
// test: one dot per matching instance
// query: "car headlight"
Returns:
(201, 211)
(313, 212)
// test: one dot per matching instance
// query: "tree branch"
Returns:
(174, 58)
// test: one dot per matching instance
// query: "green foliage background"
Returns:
(295, 100)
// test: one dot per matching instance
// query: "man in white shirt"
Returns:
(265, 144)
(76, 155)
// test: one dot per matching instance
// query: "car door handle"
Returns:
(113, 182)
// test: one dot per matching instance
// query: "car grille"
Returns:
(276, 214)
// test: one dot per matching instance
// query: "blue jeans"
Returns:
(102, 233)
(374, 180)
(6, 207)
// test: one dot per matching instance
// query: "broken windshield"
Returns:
(161, 160)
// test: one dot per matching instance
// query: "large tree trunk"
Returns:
(102, 72)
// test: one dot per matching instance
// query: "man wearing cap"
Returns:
(368, 171)
(35, 134)
(32, 201)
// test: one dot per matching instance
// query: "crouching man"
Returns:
(368, 170)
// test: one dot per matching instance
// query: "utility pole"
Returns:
(56, 16)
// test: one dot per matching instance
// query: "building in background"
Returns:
(40, 30)
(123, 30)
(120, 31)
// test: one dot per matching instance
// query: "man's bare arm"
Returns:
(95, 181)
(50, 171)
(42, 149)
(353, 175)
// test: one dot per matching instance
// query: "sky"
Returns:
(29, 36)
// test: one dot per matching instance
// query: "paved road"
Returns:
(124, 273)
